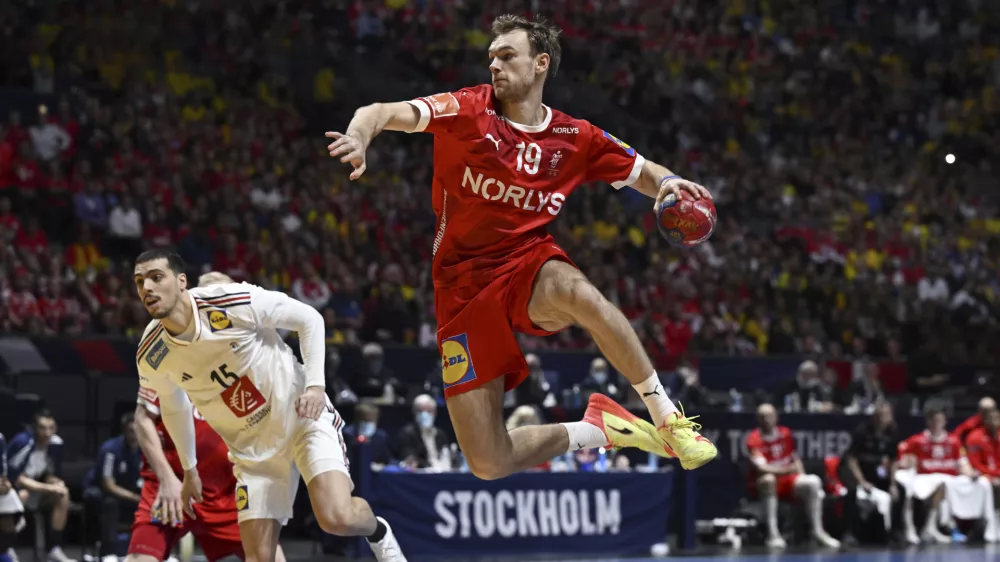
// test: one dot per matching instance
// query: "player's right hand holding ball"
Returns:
(352, 149)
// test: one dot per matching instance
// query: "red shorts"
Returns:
(478, 316)
(785, 486)
(215, 529)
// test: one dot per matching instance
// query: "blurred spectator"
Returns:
(603, 379)
(35, 458)
(48, 137)
(365, 429)
(374, 379)
(523, 416)
(535, 390)
(310, 288)
(11, 510)
(927, 374)
(805, 390)
(119, 460)
(975, 421)
(866, 391)
(830, 398)
(868, 470)
(420, 444)
(125, 227)
(690, 392)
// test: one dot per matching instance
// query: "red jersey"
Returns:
(965, 428)
(935, 455)
(498, 184)
(984, 451)
(777, 448)
(214, 467)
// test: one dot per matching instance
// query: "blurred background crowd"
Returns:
(821, 128)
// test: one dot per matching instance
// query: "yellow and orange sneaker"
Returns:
(623, 428)
(680, 436)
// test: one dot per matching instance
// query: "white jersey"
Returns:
(236, 370)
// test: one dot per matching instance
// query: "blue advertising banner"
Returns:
(528, 513)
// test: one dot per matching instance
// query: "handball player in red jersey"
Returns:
(504, 164)
(159, 521)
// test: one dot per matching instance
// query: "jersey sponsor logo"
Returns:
(156, 354)
(443, 105)
(456, 362)
(493, 189)
(219, 320)
(566, 130)
(628, 149)
(243, 398)
(242, 499)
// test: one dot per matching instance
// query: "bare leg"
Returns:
(337, 512)
(491, 452)
(260, 539)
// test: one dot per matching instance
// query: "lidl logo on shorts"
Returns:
(628, 149)
(156, 354)
(456, 363)
(242, 501)
(219, 320)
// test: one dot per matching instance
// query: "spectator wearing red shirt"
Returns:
(22, 304)
(986, 404)
(31, 239)
(777, 473)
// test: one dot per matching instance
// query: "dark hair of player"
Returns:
(931, 410)
(542, 36)
(174, 260)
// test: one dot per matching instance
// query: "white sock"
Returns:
(584, 435)
(655, 397)
(771, 507)
(931, 524)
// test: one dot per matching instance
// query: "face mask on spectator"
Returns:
(366, 428)
(425, 420)
(600, 377)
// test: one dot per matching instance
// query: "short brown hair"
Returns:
(542, 36)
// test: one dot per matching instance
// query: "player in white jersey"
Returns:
(219, 345)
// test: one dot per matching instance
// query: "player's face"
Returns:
(936, 422)
(513, 67)
(992, 420)
(158, 287)
(767, 419)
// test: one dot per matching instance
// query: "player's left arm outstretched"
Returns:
(367, 123)
(274, 309)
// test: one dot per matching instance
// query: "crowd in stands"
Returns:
(821, 128)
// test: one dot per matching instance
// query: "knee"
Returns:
(336, 519)
(766, 483)
(488, 468)
(573, 294)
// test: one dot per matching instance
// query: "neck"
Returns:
(180, 317)
(527, 111)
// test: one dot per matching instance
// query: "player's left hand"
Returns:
(312, 403)
(352, 149)
(675, 186)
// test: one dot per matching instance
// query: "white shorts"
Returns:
(10, 504)
(266, 490)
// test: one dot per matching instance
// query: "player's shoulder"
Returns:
(754, 436)
(220, 291)
(784, 431)
(150, 335)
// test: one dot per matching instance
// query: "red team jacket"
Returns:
(498, 184)
(776, 449)
(984, 452)
(935, 455)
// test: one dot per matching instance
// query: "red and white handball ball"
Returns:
(686, 222)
